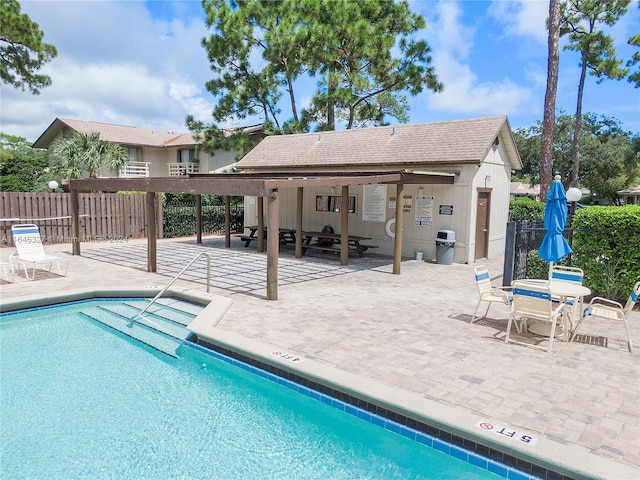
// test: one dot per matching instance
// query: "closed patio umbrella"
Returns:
(554, 247)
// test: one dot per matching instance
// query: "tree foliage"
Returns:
(634, 76)
(22, 168)
(610, 158)
(85, 152)
(581, 22)
(22, 49)
(361, 54)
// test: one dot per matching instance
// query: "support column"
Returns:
(344, 226)
(397, 244)
(299, 211)
(273, 244)
(260, 224)
(227, 221)
(150, 214)
(75, 223)
(199, 219)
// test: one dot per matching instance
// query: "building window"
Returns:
(187, 155)
(333, 203)
(134, 153)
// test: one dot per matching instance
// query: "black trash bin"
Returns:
(445, 243)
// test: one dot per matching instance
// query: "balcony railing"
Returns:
(135, 169)
(183, 168)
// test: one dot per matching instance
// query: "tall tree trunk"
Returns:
(578, 123)
(293, 105)
(549, 121)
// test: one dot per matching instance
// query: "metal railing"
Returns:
(171, 282)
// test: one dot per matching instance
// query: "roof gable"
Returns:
(450, 142)
(125, 135)
(121, 134)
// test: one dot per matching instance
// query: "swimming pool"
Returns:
(79, 401)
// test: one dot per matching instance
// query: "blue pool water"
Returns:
(81, 401)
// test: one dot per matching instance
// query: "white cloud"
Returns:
(523, 18)
(464, 92)
(115, 64)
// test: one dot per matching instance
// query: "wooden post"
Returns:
(397, 244)
(199, 219)
(273, 241)
(344, 226)
(299, 211)
(150, 214)
(75, 223)
(159, 216)
(261, 224)
(227, 221)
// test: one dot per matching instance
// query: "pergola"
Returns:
(261, 186)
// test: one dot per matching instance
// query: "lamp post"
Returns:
(573, 195)
(53, 185)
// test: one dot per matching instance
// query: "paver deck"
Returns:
(409, 331)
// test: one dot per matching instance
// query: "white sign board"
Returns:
(374, 199)
(424, 211)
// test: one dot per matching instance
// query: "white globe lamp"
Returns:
(53, 185)
(574, 194)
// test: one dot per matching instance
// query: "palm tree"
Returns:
(80, 152)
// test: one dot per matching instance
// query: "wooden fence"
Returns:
(110, 217)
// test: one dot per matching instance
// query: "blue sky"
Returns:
(142, 64)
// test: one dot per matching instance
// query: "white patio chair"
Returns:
(560, 273)
(30, 252)
(532, 302)
(489, 293)
(604, 308)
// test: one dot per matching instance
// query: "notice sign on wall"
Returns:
(445, 210)
(374, 198)
(424, 211)
(407, 203)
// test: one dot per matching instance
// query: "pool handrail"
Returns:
(164, 289)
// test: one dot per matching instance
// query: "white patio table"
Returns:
(564, 291)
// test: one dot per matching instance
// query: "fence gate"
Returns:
(522, 237)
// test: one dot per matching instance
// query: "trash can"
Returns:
(445, 243)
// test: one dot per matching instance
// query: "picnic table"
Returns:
(286, 235)
(331, 242)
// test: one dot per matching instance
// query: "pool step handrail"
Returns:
(164, 289)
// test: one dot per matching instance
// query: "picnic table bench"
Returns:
(286, 235)
(331, 242)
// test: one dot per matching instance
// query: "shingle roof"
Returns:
(122, 134)
(458, 141)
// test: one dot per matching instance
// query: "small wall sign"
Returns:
(445, 210)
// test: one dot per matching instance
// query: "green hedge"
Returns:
(606, 245)
(179, 219)
(525, 209)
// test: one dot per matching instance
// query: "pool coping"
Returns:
(566, 459)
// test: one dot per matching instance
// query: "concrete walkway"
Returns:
(409, 331)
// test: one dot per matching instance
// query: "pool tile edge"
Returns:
(578, 463)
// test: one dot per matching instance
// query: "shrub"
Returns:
(606, 244)
(526, 209)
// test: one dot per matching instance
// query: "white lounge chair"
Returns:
(30, 252)
(532, 302)
(610, 310)
(7, 271)
(489, 293)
